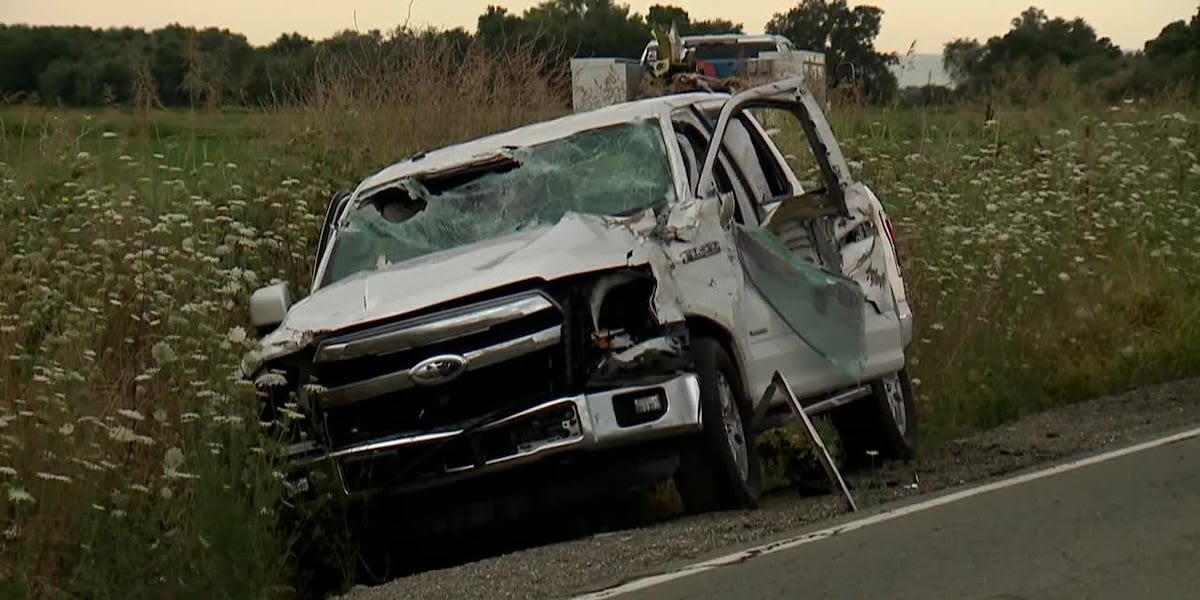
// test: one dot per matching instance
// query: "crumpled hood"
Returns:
(578, 243)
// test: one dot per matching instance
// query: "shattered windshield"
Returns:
(615, 171)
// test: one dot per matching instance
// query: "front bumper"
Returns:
(585, 422)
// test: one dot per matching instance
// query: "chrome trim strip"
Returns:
(838, 400)
(478, 359)
(513, 348)
(431, 329)
(547, 407)
(547, 447)
(388, 444)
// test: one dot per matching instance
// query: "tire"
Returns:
(719, 468)
(884, 422)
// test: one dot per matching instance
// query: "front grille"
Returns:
(520, 381)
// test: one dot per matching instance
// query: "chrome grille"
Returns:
(509, 350)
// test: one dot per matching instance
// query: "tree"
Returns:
(847, 37)
(665, 16)
(1035, 43)
(960, 59)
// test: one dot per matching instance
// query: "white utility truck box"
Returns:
(775, 66)
(600, 82)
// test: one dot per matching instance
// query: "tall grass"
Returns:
(380, 105)
(131, 464)
(1051, 255)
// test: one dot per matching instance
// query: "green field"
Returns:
(1051, 255)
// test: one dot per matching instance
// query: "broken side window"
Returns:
(788, 135)
(823, 309)
(615, 171)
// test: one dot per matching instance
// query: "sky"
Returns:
(928, 23)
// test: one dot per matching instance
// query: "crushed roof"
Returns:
(534, 134)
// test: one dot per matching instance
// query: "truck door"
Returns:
(772, 131)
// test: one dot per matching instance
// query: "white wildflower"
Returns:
(9, 471)
(1064, 277)
(271, 379)
(1176, 142)
(166, 493)
(173, 459)
(160, 415)
(66, 429)
(108, 135)
(131, 414)
(13, 532)
(53, 477)
(237, 335)
(162, 353)
(125, 434)
(18, 495)
(83, 155)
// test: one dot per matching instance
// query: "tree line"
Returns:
(180, 66)
(1038, 47)
(187, 66)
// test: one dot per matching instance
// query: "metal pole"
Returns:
(778, 383)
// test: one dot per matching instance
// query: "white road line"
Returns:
(779, 546)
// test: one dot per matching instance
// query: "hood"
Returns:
(578, 243)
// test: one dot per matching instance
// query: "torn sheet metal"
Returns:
(655, 355)
(823, 309)
(864, 251)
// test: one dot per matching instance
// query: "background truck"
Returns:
(757, 59)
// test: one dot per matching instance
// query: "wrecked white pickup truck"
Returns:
(605, 295)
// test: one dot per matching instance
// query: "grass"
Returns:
(1051, 256)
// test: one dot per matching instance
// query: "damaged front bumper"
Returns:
(591, 421)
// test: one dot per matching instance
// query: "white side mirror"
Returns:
(268, 307)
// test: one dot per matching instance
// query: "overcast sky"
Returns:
(929, 23)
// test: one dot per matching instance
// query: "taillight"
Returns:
(891, 233)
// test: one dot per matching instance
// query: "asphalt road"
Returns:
(1128, 527)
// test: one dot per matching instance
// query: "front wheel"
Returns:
(881, 426)
(719, 469)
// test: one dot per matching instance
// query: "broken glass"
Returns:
(613, 171)
(823, 309)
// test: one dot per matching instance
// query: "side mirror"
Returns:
(268, 307)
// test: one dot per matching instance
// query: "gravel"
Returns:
(605, 559)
